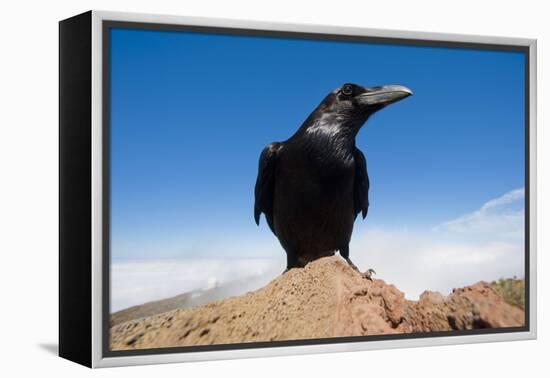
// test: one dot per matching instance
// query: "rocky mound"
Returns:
(325, 299)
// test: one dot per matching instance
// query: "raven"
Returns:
(312, 186)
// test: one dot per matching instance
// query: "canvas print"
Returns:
(278, 189)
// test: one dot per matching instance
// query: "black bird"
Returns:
(312, 186)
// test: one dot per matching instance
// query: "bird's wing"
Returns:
(265, 183)
(361, 186)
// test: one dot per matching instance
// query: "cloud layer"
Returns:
(486, 244)
(137, 282)
(499, 217)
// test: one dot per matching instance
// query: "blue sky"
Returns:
(190, 114)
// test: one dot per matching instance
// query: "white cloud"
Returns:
(138, 282)
(502, 216)
(486, 244)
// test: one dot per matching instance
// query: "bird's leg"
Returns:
(291, 261)
(345, 254)
(348, 260)
(367, 274)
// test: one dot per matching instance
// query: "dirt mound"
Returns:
(325, 299)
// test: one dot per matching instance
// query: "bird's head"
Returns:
(350, 105)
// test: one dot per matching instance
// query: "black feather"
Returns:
(265, 184)
(361, 187)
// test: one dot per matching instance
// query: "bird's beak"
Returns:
(384, 95)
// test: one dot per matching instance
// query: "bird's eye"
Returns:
(347, 90)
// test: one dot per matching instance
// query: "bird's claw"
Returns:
(368, 274)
